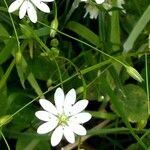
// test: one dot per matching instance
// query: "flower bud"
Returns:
(80, 90)
(49, 82)
(54, 26)
(141, 124)
(134, 73)
(18, 57)
(54, 52)
(5, 119)
(54, 42)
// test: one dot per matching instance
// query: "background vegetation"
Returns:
(92, 56)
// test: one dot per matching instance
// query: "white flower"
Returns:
(119, 4)
(65, 118)
(97, 1)
(29, 7)
(92, 10)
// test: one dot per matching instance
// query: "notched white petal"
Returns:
(47, 127)
(31, 11)
(57, 136)
(77, 128)
(15, 6)
(70, 97)
(23, 9)
(42, 6)
(69, 135)
(45, 116)
(69, 101)
(47, 0)
(59, 99)
(80, 118)
(48, 106)
(79, 106)
(99, 1)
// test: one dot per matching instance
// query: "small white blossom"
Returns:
(109, 6)
(97, 1)
(29, 7)
(91, 8)
(65, 118)
(119, 5)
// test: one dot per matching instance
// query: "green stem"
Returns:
(5, 140)
(13, 24)
(86, 44)
(55, 5)
(147, 84)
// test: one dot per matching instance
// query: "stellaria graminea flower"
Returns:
(91, 8)
(65, 118)
(29, 7)
(97, 1)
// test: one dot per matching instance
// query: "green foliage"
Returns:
(106, 60)
(134, 100)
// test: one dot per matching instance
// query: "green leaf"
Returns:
(32, 143)
(84, 32)
(103, 115)
(3, 97)
(6, 52)
(34, 84)
(135, 103)
(6, 75)
(145, 18)
(118, 105)
(16, 100)
(115, 29)
(23, 74)
(3, 33)
(41, 68)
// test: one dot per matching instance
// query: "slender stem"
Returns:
(59, 72)
(147, 84)
(86, 44)
(5, 140)
(13, 24)
(79, 143)
(80, 74)
(55, 5)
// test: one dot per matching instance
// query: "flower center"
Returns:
(63, 119)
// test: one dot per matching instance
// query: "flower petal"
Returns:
(69, 135)
(70, 97)
(31, 11)
(79, 106)
(80, 118)
(59, 99)
(15, 5)
(23, 9)
(48, 106)
(99, 1)
(45, 116)
(57, 136)
(77, 128)
(40, 5)
(69, 101)
(47, 0)
(47, 127)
